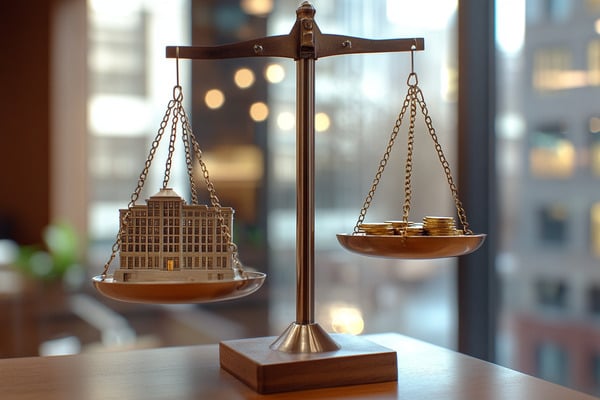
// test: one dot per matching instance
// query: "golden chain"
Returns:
(413, 97)
(382, 164)
(214, 201)
(186, 136)
(178, 95)
(175, 108)
(408, 165)
(140, 184)
(438, 148)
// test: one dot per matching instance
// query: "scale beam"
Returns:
(286, 46)
(305, 40)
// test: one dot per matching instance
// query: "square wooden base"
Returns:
(358, 361)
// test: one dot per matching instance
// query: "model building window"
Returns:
(551, 154)
(553, 225)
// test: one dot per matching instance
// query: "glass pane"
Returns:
(548, 152)
(552, 225)
(551, 153)
(243, 112)
(358, 98)
(130, 82)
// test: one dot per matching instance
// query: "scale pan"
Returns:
(411, 247)
(170, 292)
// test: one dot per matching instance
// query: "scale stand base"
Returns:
(358, 361)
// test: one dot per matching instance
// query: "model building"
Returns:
(169, 240)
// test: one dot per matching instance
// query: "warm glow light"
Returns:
(597, 26)
(214, 99)
(257, 7)
(259, 111)
(244, 78)
(235, 163)
(274, 73)
(322, 122)
(286, 121)
(347, 319)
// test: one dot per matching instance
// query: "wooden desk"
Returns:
(425, 372)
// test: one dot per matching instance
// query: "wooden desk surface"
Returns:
(425, 372)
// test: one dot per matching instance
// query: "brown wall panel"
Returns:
(24, 119)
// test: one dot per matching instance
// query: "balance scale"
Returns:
(173, 252)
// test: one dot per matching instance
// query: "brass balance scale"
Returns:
(172, 252)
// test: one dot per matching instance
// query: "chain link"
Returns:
(413, 98)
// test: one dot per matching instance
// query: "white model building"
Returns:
(169, 240)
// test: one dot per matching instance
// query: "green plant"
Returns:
(58, 256)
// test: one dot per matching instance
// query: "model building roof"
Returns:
(166, 192)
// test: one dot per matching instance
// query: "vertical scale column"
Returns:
(304, 335)
(305, 196)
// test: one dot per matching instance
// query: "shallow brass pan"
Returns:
(170, 292)
(411, 247)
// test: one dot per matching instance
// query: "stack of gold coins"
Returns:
(439, 226)
(376, 228)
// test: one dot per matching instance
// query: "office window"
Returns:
(552, 69)
(553, 225)
(551, 293)
(550, 216)
(552, 363)
(552, 154)
(593, 300)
